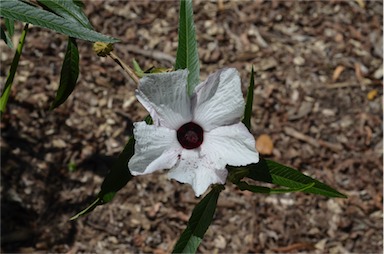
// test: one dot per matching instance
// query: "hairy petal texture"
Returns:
(218, 101)
(165, 97)
(196, 169)
(156, 148)
(230, 145)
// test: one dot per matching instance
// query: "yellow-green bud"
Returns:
(102, 49)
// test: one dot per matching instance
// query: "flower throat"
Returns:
(190, 135)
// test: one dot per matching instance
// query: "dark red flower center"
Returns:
(190, 135)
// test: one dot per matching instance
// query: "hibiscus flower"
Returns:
(195, 136)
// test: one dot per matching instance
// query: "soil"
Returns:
(318, 97)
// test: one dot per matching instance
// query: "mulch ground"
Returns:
(318, 96)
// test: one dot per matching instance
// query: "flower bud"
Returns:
(102, 49)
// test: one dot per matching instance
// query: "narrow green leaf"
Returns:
(187, 56)
(68, 10)
(260, 171)
(6, 38)
(249, 102)
(289, 177)
(10, 25)
(119, 175)
(272, 172)
(19, 10)
(257, 171)
(87, 210)
(192, 245)
(136, 67)
(299, 189)
(253, 188)
(12, 71)
(79, 3)
(69, 73)
(116, 179)
(198, 223)
(261, 189)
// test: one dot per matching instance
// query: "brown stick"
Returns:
(316, 143)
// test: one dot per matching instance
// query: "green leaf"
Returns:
(272, 172)
(69, 73)
(249, 103)
(148, 119)
(187, 56)
(7, 35)
(117, 178)
(289, 177)
(15, 62)
(199, 222)
(261, 189)
(260, 171)
(136, 67)
(79, 3)
(6, 38)
(68, 10)
(87, 210)
(10, 25)
(257, 171)
(119, 175)
(19, 10)
(72, 166)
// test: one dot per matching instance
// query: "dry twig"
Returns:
(316, 143)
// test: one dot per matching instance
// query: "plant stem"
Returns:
(105, 49)
(12, 71)
(125, 67)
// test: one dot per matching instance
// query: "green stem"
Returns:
(12, 71)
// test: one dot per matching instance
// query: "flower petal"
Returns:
(156, 148)
(197, 170)
(230, 145)
(165, 97)
(218, 101)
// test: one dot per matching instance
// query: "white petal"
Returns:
(230, 145)
(156, 148)
(165, 97)
(218, 101)
(197, 170)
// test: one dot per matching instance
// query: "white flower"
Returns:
(193, 136)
